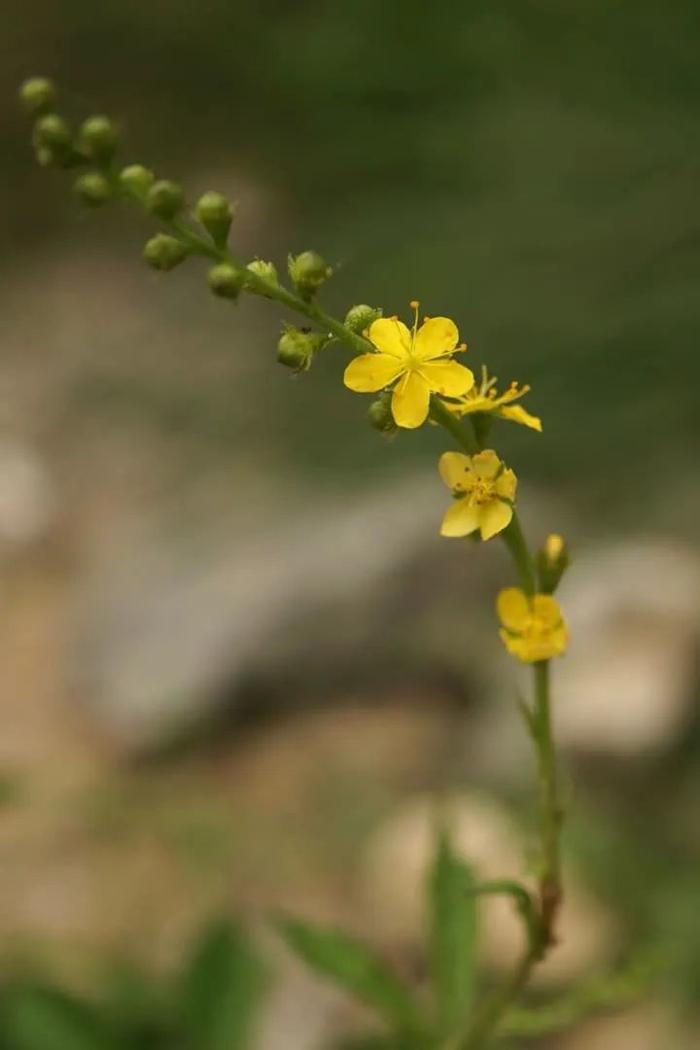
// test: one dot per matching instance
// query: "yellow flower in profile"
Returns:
(485, 398)
(484, 489)
(533, 627)
(418, 362)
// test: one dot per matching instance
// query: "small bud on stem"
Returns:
(38, 95)
(164, 252)
(215, 214)
(308, 272)
(359, 318)
(297, 346)
(93, 189)
(225, 280)
(136, 180)
(165, 199)
(98, 139)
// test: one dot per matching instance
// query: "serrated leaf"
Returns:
(221, 990)
(353, 966)
(452, 937)
(44, 1018)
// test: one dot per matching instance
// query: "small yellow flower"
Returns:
(418, 362)
(533, 627)
(484, 489)
(485, 398)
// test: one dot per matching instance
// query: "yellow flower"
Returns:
(418, 362)
(485, 490)
(485, 398)
(533, 627)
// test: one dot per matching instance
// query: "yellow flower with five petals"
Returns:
(485, 398)
(533, 626)
(414, 363)
(484, 489)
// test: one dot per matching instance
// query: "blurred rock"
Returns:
(647, 1027)
(626, 686)
(27, 495)
(485, 835)
(164, 630)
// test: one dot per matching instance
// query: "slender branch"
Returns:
(550, 810)
(515, 542)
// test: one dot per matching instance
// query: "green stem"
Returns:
(517, 545)
(550, 810)
(461, 430)
(488, 1017)
(271, 289)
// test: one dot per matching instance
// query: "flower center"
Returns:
(481, 490)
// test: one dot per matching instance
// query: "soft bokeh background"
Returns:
(236, 662)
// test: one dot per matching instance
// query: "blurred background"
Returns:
(237, 663)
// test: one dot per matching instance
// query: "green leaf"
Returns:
(353, 966)
(220, 990)
(452, 937)
(43, 1018)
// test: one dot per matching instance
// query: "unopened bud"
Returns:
(380, 415)
(98, 138)
(359, 318)
(164, 252)
(93, 189)
(266, 270)
(552, 562)
(52, 140)
(136, 180)
(225, 280)
(297, 346)
(165, 199)
(308, 271)
(215, 214)
(38, 95)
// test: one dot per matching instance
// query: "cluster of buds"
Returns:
(204, 231)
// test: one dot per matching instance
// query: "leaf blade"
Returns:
(452, 936)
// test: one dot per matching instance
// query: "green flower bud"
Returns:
(164, 252)
(215, 214)
(165, 199)
(53, 141)
(266, 270)
(225, 280)
(297, 346)
(98, 138)
(93, 188)
(308, 271)
(553, 560)
(38, 95)
(136, 180)
(380, 415)
(359, 318)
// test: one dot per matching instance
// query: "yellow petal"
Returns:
(460, 519)
(513, 608)
(516, 646)
(494, 517)
(486, 464)
(517, 414)
(391, 336)
(546, 608)
(435, 337)
(409, 405)
(454, 467)
(506, 484)
(448, 377)
(370, 372)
